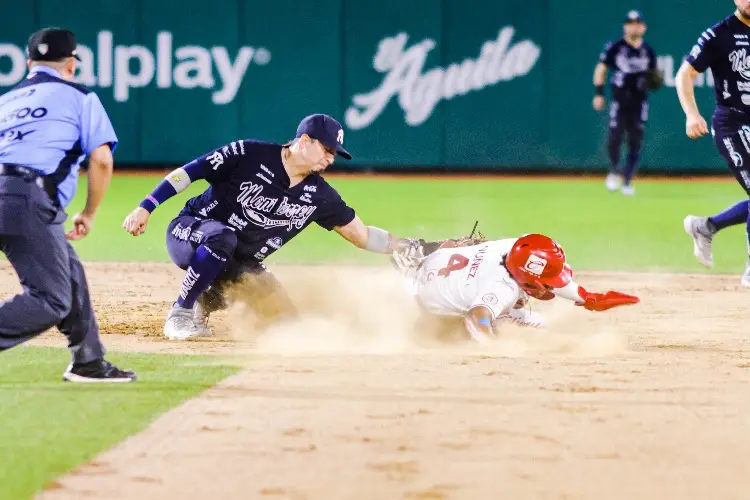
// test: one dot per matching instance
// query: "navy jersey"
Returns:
(628, 67)
(250, 193)
(724, 49)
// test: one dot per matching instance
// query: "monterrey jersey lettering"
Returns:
(249, 191)
(725, 50)
(629, 66)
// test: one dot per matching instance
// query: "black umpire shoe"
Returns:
(97, 371)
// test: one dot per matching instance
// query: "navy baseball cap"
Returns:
(52, 44)
(326, 130)
(634, 17)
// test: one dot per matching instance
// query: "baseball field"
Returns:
(356, 402)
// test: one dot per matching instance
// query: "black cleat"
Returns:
(99, 371)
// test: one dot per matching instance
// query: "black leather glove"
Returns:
(654, 79)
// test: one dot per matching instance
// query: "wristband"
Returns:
(149, 203)
(378, 240)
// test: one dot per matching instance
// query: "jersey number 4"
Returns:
(455, 263)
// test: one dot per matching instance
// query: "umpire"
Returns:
(48, 124)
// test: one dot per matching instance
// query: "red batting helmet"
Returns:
(537, 263)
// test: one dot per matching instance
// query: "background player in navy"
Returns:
(47, 126)
(260, 196)
(630, 60)
(725, 50)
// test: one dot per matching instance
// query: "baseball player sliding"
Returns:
(483, 281)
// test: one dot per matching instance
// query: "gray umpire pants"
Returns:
(55, 289)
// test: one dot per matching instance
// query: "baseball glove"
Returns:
(654, 79)
(414, 251)
(410, 253)
(464, 241)
(475, 238)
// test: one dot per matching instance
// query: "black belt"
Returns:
(13, 170)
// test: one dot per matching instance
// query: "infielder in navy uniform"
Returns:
(725, 49)
(48, 124)
(633, 65)
(260, 196)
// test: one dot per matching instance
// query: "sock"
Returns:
(732, 216)
(205, 266)
(613, 149)
(88, 363)
(631, 166)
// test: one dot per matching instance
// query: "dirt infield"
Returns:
(649, 401)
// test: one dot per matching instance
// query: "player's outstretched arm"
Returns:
(695, 125)
(374, 239)
(174, 183)
(594, 301)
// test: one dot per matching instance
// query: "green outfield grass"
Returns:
(49, 427)
(599, 230)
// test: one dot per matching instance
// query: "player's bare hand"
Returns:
(695, 126)
(82, 224)
(598, 102)
(136, 222)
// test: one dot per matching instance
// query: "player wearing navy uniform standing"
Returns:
(260, 196)
(725, 50)
(48, 124)
(633, 64)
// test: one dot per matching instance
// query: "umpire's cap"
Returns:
(52, 44)
(634, 16)
(326, 130)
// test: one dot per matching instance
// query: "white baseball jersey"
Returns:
(451, 281)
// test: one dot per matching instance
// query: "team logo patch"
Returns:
(196, 236)
(490, 298)
(181, 233)
(238, 222)
(275, 242)
(535, 265)
(340, 137)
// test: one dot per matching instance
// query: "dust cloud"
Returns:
(366, 310)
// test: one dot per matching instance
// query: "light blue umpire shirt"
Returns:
(50, 125)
